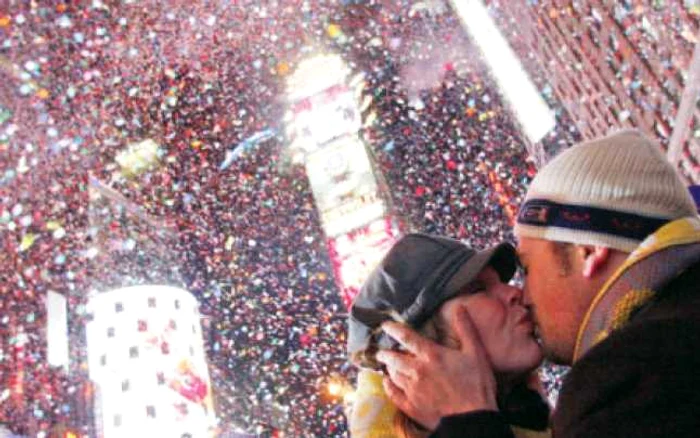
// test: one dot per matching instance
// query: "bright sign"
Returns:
(344, 186)
(354, 255)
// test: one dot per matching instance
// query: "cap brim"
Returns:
(501, 257)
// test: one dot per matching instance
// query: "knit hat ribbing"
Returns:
(623, 178)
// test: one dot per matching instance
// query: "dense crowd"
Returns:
(81, 82)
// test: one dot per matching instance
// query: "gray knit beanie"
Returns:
(613, 192)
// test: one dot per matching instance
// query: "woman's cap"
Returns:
(418, 274)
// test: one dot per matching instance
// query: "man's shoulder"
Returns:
(668, 326)
(669, 321)
(642, 376)
(645, 342)
(641, 381)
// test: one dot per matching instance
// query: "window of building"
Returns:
(177, 304)
(118, 307)
(173, 324)
(181, 409)
(134, 352)
(165, 348)
(161, 378)
(110, 332)
(151, 411)
(103, 360)
(125, 385)
(191, 351)
(142, 325)
(151, 302)
(117, 420)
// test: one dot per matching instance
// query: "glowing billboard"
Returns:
(354, 255)
(324, 124)
(320, 118)
(532, 112)
(146, 358)
(344, 186)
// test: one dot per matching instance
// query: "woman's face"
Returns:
(503, 323)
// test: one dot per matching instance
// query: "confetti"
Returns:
(43, 93)
(27, 241)
(5, 115)
(59, 233)
(25, 89)
(64, 21)
(17, 209)
(149, 145)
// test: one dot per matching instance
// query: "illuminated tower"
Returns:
(323, 124)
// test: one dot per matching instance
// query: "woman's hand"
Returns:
(428, 381)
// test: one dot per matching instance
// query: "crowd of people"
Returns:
(81, 82)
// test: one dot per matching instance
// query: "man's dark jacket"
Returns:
(642, 381)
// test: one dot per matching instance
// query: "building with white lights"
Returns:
(146, 357)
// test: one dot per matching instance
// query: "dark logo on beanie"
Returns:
(627, 225)
(534, 214)
(575, 216)
(545, 213)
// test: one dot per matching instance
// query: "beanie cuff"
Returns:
(579, 237)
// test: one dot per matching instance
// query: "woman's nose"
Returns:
(513, 295)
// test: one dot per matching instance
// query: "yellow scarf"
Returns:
(372, 414)
(660, 258)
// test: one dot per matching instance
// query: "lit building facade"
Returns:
(324, 123)
(146, 357)
(612, 64)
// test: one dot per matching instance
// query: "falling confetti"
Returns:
(179, 111)
(27, 241)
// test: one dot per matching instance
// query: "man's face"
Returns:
(557, 293)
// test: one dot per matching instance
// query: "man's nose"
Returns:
(526, 297)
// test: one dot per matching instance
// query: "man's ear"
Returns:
(594, 258)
